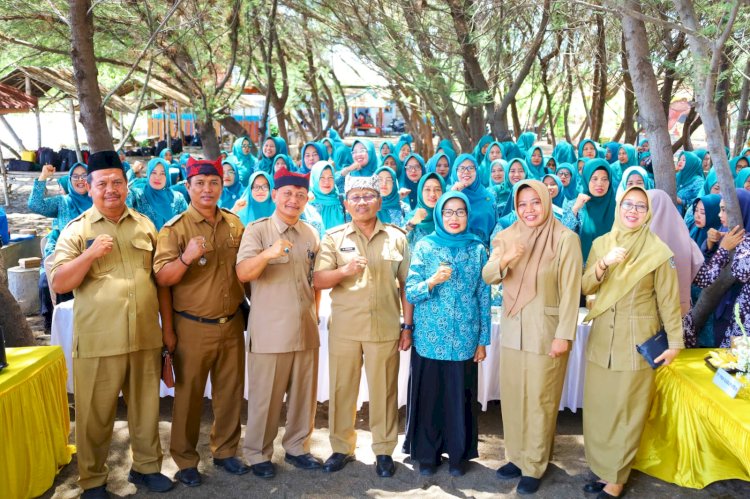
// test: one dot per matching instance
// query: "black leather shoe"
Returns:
(528, 485)
(508, 471)
(99, 492)
(384, 466)
(189, 477)
(336, 462)
(457, 469)
(232, 465)
(604, 495)
(155, 482)
(426, 469)
(304, 461)
(266, 469)
(594, 487)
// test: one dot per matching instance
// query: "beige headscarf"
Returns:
(645, 252)
(519, 285)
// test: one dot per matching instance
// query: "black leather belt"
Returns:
(203, 320)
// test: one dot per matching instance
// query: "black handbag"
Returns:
(653, 347)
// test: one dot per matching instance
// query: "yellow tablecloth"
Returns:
(34, 421)
(695, 433)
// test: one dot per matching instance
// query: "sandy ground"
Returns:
(565, 477)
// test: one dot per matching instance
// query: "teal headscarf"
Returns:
(589, 141)
(486, 140)
(428, 224)
(612, 148)
(245, 163)
(415, 187)
(255, 210)
(328, 205)
(526, 141)
(404, 139)
(570, 191)
(322, 155)
(712, 209)
(507, 207)
(392, 201)
(733, 164)
(372, 159)
(482, 219)
(486, 162)
(288, 161)
(342, 157)
(546, 160)
(598, 214)
(446, 146)
(502, 164)
(648, 184)
(78, 203)
(162, 200)
(632, 156)
(432, 165)
(537, 172)
(742, 177)
(390, 148)
(164, 152)
(512, 151)
(711, 179)
(442, 237)
(692, 169)
(564, 153)
(557, 200)
(264, 163)
(230, 194)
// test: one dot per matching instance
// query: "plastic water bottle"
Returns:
(4, 235)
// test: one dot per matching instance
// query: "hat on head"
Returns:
(352, 182)
(204, 167)
(284, 177)
(104, 160)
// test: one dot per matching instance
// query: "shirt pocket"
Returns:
(144, 252)
(104, 264)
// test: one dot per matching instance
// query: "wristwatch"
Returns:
(407, 327)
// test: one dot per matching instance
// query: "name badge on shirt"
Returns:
(348, 249)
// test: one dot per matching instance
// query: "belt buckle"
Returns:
(223, 320)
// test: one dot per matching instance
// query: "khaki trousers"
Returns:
(270, 377)
(381, 361)
(98, 382)
(530, 389)
(615, 408)
(202, 349)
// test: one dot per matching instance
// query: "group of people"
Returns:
(410, 251)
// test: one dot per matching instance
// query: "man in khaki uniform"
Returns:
(195, 255)
(104, 257)
(366, 263)
(277, 257)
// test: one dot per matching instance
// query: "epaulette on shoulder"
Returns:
(174, 220)
(403, 231)
(336, 229)
(259, 220)
(79, 217)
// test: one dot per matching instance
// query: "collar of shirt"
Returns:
(196, 216)
(282, 226)
(353, 228)
(97, 215)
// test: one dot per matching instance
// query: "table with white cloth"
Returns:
(489, 370)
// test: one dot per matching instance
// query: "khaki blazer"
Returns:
(553, 312)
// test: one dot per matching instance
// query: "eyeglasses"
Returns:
(465, 169)
(563, 175)
(260, 188)
(413, 168)
(630, 206)
(460, 213)
(369, 198)
(229, 173)
(76, 178)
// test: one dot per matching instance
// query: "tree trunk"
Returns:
(12, 321)
(649, 102)
(517, 129)
(628, 119)
(270, 85)
(85, 74)
(12, 132)
(687, 130)
(599, 90)
(74, 128)
(722, 92)
(674, 50)
(743, 116)
(211, 147)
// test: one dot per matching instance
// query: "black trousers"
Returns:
(442, 410)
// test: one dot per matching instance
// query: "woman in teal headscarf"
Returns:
(597, 213)
(535, 162)
(256, 200)
(465, 177)
(403, 147)
(550, 164)
(440, 163)
(421, 221)
(738, 163)
(282, 161)
(706, 211)
(743, 179)
(689, 179)
(611, 149)
(555, 187)
(496, 181)
(386, 148)
(526, 141)
(515, 171)
(643, 150)
(634, 175)
(327, 200)
(446, 146)
(245, 162)
(481, 148)
(233, 187)
(270, 148)
(392, 210)
(568, 175)
(587, 148)
(342, 157)
(413, 171)
(512, 151)
(564, 153)
(711, 185)
(157, 201)
(311, 153)
(705, 158)
(494, 152)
